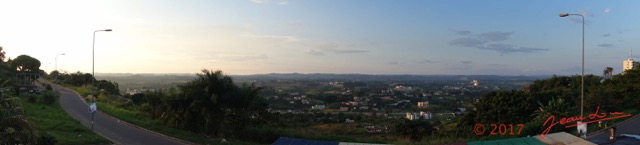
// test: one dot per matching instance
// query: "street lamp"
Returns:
(582, 81)
(57, 60)
(93, 55)
(93, 83)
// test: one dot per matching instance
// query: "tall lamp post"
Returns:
(582, 79)
(92, 106)
(57, 60)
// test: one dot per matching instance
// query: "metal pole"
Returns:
(582, 83)
(93, 63)
(56, 62)
(92, 121)
(93, 81)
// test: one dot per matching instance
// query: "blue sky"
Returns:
(323, 36)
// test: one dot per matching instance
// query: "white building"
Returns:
(628, 64)
(415, 116)
(318, 107)
(423, 104)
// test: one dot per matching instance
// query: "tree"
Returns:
(607, 73)
(25, 63)
(212, 101)
(15, 128)
(413, 129)
(555, 107)
(108, 86)
(2, 54)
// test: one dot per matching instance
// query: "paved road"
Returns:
(109, 127)
(631, 126)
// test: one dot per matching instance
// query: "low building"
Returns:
(423, 104)
(318, 107)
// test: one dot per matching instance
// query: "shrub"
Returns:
(49, 97)
(47, 139)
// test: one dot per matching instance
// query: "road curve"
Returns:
(109, 127)
(629, 126)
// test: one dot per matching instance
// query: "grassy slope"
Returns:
(53, 120)
(140, 119)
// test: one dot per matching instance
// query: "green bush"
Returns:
(49, 97)
(47, 139)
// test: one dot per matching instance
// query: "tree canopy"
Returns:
(25, 63)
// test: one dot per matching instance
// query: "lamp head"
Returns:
(564, 14)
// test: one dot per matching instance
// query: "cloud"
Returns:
(314, 52)
(343, 51)
(334, 48)
(283, 3)
(467, 42)
(427, 61)
(507, 48)
(606, 45)
(497, 65)
(460, 32)
(606, 10)
(466, 62)
(483, 40)
(495, 36)
(259, 1)
(606, 35)
(237, 57)
(394, 63)
(285, 38)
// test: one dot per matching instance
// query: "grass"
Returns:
(53, 120)
(142, 120)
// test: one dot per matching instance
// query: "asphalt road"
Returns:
(631, 126)
(109, 127)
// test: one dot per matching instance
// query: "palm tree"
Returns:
(607, 73)
(555, 107)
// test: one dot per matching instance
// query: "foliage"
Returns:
(2, 54)
(47, 139)
(25, 63)
(53, 123)
(49, 97)
(108, 86)
(15, 128)
(413, 129)
(74, 79)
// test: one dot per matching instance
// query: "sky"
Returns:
(239, 37)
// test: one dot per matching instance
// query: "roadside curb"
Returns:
(129, 124)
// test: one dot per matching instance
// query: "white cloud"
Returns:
(283, 3)
(285, 38)
(314, 52)
(259, 1)
(606, 10)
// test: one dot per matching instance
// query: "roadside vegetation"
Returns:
(56, 126)
(29, 115)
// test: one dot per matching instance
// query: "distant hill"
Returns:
(365, 77)
(158, 80)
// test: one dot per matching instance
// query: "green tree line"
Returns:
(558, 96)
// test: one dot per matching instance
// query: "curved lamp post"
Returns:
(57, 60)
(582, 79)
(93, 83)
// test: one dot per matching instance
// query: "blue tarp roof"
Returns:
(294, 141)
